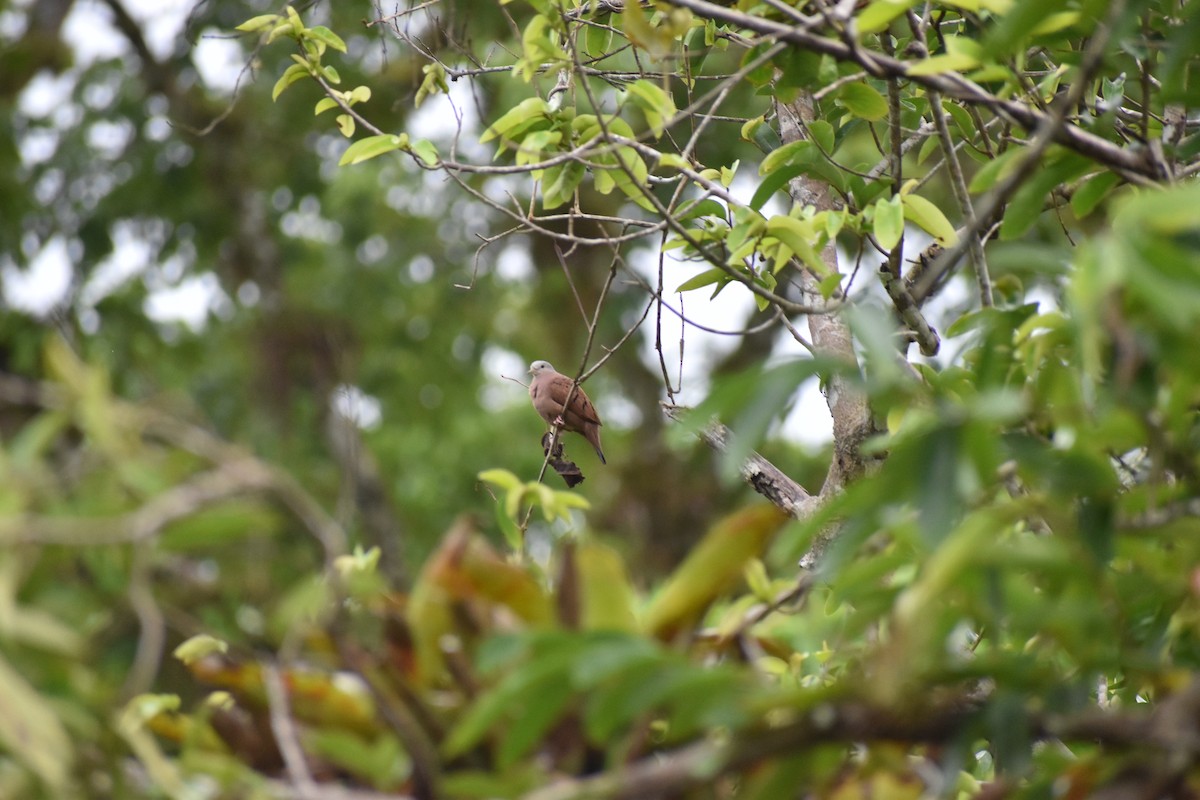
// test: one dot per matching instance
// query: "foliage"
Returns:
(202, 592)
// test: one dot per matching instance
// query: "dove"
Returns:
(549, 389)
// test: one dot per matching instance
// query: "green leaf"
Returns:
(31, 732)
(1015, 27)
(707, 207)
(961, 54)
(606, 596)
(609, 653)
(994, 170)
(1059, 21)
(513, 535)
(198, 647)
(284, 28)
(324, 104)
(1030, 200)
(290, 75)
(642, 34)
(345, 124)
(258, 23)
(750, 126)
(706, 278)
(830, 284)
(517, 119)
(929, 218)
(790, 161)
(1092, 191)
(822, 134)
(928, 148)
(632, 180)
(372, 146)
(962, 118)
(426, 151)
(500, 478)
(380, 762)
(544, 706)
(656, 104)
(863, 101)
(801, 238)
(789, 153)
(433, 82)
(603, 181)
(879, 14)
(535, 145)
(322, 34)
(935, 65)
(888, 225)
(598, 40)
(518, 689)
(767, 138)
(145, 707)
(673, 161)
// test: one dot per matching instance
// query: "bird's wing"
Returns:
(560, 386)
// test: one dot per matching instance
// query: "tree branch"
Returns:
(766, 478)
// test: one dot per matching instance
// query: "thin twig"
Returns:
(285, 735)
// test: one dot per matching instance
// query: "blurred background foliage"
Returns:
(254, 361)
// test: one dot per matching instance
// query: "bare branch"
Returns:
(766, 478)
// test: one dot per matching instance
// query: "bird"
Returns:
(549, 389)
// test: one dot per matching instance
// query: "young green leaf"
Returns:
(799, 236)
(322, 34)
(929, 218)
(517, 119)
(372, 146)
(655, 103)
(255, 24)
(706, 278)
(290, 75)
(888, 225)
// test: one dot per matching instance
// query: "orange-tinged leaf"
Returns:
(469, 569)
(466, 570)
(321, 698)
(429, 614)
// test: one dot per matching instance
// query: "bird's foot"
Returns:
(558, 421)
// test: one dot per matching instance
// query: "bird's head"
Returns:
(538, 367)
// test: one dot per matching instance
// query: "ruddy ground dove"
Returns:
(549, 389)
